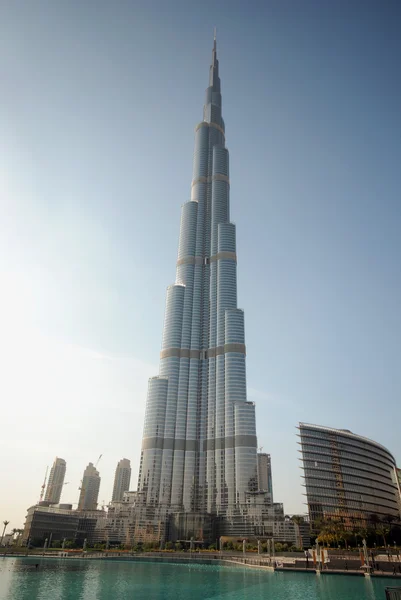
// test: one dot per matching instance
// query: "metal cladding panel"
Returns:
(235, 327)
(227, 238)
(150, 470)
(170, 367)
(235, 390)
(173, 316)
(201, 153)
(187, 243)
(155, 407)
(246, 475)
(226, 294)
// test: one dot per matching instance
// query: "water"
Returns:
(58, 579)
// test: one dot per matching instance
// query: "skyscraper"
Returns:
(89, 489)
(199, 442)
(122, 479)
(265, 474)
(56, 481)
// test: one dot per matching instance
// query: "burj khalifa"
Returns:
(199, 447)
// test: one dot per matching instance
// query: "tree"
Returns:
(389, 520)
(20, 532)
(5, 523)
(374, 520)
(279, 547)
(383, 531)
(297, 519)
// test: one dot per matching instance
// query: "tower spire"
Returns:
(214, 81)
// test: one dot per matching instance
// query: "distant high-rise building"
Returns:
(265, 474)
(347, 476)
(89, 489)
(56, 481)
(122, 479)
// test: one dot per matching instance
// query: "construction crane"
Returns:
(56, 485)
(42, 491)
(97, 462)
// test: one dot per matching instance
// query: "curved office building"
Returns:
(347, 476)
(199, 444)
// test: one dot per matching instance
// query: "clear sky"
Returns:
(98, 107)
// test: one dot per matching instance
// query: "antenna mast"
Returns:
(42, 491)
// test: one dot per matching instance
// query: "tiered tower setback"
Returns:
(199, 448)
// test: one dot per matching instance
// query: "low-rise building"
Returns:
(55, 523)
(292, 530)
(51, 523)
(8, 539)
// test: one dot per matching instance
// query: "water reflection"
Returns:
(90, 586)
(6, 575)
(70, 579)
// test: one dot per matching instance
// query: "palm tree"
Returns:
(17, 534)
(363, 533)
(383, 531)
(389, 520)
(5, 523)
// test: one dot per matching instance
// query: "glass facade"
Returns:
(347, 476)
(199, 450)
